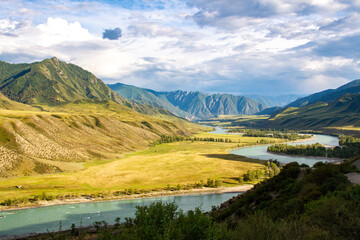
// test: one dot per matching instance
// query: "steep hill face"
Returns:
(329, 111)
(344, 111)
(52, 81)
(6, 103)
(190, 105)
(327, 95)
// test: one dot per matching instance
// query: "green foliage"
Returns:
(290, 135)
(349, 148)
(165, 221)
(51, 82)
(170, 139)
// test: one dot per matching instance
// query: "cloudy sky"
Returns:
(265, 47)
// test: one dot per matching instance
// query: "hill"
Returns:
(6, 103)
(327, 95)
(60, 116)
(52, 81)
(190, 105)
(343, 111)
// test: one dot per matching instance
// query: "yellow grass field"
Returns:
(154, 168)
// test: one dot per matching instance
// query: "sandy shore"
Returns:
(237, 189)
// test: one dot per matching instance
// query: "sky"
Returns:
(266, 47)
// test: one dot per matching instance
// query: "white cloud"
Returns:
(219, 45)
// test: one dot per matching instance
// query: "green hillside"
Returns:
(55, 116)
(6, 103)
(52, 81)
(327, 95)
(344, 111)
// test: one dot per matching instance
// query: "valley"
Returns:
(66, 137)
(151, 170)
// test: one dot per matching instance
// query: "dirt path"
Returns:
(354, 177)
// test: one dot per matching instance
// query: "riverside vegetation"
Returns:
(299, 203)
(349, 147)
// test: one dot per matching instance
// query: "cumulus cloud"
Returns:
(279, 46)
(112, 34)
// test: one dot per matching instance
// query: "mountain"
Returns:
(327, 95)
(147, 96)
(274, 101)
(326, 110)
(204, 105)
(190, 105)
(56, 116)
(52, 81)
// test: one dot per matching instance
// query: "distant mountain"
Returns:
(147, 96)
(327, 109)
(204, 105)
(52, 81)
(191, 105)
(274, 101)
(327, 95)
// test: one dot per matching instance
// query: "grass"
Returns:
(68, 135)
(172, 163)
(350, 128)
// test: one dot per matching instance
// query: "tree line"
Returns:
(170, 139)
(349, 147)
(271, 134)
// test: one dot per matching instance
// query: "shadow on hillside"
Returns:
(233, 157)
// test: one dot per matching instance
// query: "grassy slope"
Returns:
(39, 141)
(172, 163)
(52, 81)
(319, 116)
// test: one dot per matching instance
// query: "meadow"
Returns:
(154, 169)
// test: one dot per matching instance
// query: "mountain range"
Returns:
(196, 105)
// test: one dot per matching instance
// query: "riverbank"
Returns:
(202, 191)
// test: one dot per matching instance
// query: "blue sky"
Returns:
(266, 47)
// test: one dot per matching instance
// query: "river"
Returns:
(37, 220)
(260, 151)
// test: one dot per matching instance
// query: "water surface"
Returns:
(260, 152)
(38, 220)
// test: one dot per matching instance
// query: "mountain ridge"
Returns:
(52, 81)
(196, 105)
(327, 109)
